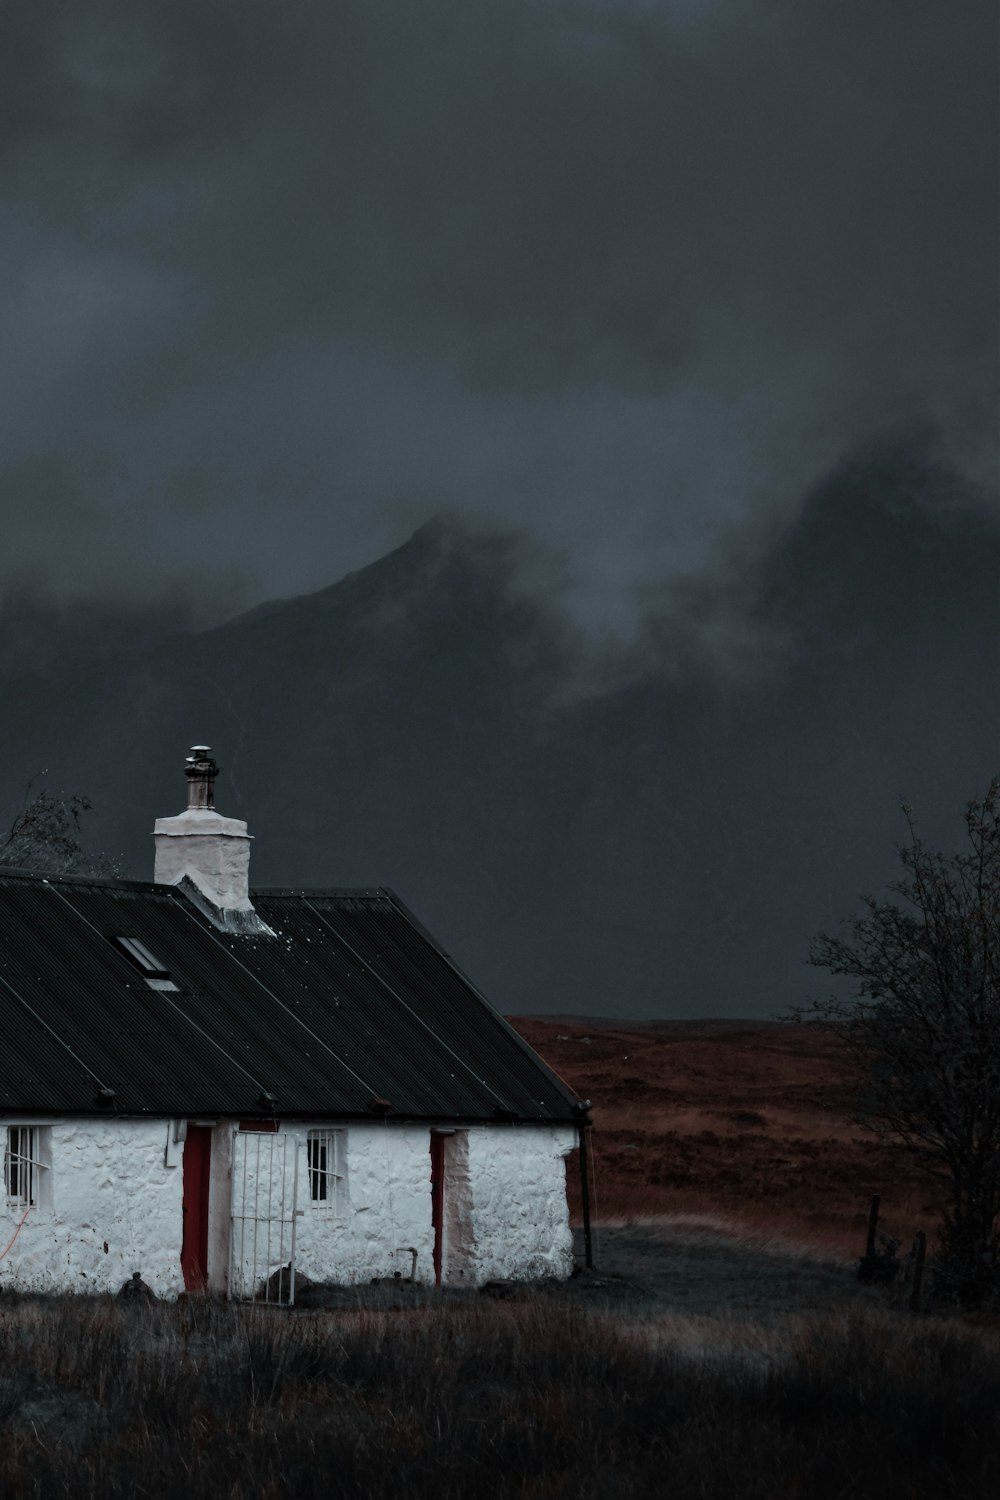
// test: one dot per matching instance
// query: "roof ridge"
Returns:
(60, 877)
(128, 883)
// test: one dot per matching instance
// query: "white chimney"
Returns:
(208, 854)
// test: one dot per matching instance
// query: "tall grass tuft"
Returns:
(519, 1401)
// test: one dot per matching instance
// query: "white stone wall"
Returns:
(220, 1207)
(520, 1218)
(113, 1206)
(506, 1213)
(110, 1207)
(387, 1212)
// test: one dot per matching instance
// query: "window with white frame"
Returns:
(23, 1165)
(326, 1152)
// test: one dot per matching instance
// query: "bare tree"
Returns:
(925, 1020)
(45, 836)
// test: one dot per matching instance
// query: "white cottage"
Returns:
(205, 1089)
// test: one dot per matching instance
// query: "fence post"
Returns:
(919, 1251)
(582, 1112)
(872, 1225)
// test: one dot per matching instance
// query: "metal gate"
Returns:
(262, 1230)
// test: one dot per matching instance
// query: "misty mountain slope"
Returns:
(49, 651)
(888, 592)
(384, 730)
(665, 846)
(746, 813)
(397, 708)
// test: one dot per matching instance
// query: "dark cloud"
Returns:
(618, 271)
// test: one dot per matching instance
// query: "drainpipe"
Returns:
(584, 1126)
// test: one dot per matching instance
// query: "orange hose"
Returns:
(10, 1244)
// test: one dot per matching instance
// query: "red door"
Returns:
(194, 1245)
(437, 1201)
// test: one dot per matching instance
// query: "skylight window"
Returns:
(142, 957)
(155, 973)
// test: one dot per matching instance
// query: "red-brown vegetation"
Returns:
(749, 1121)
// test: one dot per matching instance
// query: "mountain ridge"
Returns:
(661, 843)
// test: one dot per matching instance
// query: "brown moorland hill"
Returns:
(746, 1121)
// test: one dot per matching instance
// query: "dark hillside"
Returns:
(662, 841)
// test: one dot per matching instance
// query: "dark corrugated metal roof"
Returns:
(350, 1002)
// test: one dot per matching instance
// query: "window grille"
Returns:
(21, 1165)
(325, 1161)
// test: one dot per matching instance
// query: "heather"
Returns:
(753, 1121)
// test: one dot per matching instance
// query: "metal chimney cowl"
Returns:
(207, 854)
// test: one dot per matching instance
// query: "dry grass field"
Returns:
(474, 1399)
(752, 1123)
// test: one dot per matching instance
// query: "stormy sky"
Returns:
(279, 282)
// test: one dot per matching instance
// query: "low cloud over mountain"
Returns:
(653, 832)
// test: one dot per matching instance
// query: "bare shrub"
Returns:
(924, 1019)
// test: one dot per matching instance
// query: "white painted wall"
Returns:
(505, 1208)
(211, 850)
(520, 1218)
(220, 1207)
(388, 1209)
(506, 1213)
(108, 1186)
